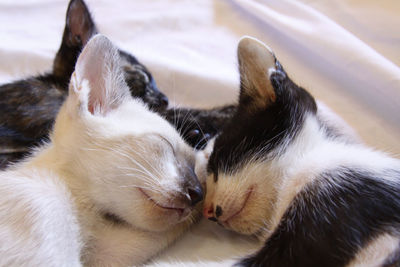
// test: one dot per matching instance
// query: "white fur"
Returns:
(311, 153)
(254, 198)
(37, 220)
(277, 182)
(375, 253)
(105, 146)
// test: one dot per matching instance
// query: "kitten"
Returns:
(28, 107)
(288, 171)
(199, 126)
(115, 185)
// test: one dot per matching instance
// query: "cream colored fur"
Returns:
(108, 155)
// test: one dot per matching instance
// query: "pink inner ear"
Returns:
(99, 106)
(96, 74)
(99, 65)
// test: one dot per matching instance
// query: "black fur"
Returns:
(331, 219)
(28, 107)
(336, 214)
(256, 133)
(141, 83)
(198, 126)
(79, 27)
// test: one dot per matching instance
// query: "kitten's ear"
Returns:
(79, 25)
(98, 82)
(79, 28)
(256, 64)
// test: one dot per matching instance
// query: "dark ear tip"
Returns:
(71, 5)
(74, 4)
(277, 77)
(278, 66)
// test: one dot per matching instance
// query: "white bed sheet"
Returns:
(346, 52)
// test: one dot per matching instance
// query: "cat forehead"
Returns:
(250, 172)
(233, 149)
(264, 132)
(133, 116)
(249, 137)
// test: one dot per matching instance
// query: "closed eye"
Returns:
(166, 141)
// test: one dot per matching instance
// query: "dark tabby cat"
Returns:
(198, 126)
(28, 107)
(288, 170)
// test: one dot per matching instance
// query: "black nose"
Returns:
(195, 194)
(218, 211)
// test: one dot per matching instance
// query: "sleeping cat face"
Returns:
(133, 165)
(79, 28)
(243, 170)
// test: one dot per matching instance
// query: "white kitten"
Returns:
(115, 186)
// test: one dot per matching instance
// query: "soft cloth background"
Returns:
(346, 52)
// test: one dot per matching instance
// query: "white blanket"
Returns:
(346, 52)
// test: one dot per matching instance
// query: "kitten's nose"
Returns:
(208, 213)
(195, 194)
(218, 211)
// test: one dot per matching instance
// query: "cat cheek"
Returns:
(201, 167)
(210, 191)
(210, 185)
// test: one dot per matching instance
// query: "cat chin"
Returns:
(240, 214)
(162, 221)
(163, 215)
(147, 211)
(248, 217)
(159, 221)
(149, 217)
(244, 224)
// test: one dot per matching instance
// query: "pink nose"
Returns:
(208, 212)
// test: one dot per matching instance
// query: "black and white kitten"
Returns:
(28, 107)
(289, 171)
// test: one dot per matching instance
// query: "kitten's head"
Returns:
(271, 112)
(131, 163)
(79, 28)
